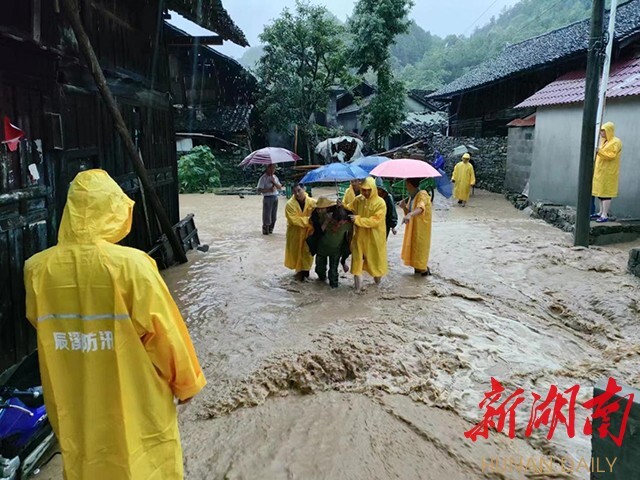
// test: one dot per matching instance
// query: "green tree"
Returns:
(386, 111)
(198, 171)
(304, 55)
(374, 27)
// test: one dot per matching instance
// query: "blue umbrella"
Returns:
(444, 185)
(369, 163)
(335, 172)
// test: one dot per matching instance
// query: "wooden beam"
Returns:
(70, 8)
(194, 41)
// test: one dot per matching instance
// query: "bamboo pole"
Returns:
(70, 8)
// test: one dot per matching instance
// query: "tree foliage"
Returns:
(198, 171)
(304, 55)
(374, 26)
(386, 111)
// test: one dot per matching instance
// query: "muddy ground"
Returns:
(305, 382)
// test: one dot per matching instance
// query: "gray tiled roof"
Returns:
(536, 52)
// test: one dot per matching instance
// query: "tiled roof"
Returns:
(529, 121)
(213, 119)
(354, 107)
(211, 15)
(420, 125)
(624, 80)
(537, 52)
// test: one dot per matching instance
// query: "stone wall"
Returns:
(519, 158)
(490, 161)
(634, 262)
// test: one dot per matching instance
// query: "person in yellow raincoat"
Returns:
(464, 178)
(416, 243)
(607, 170)
(369, 243)
(113, 348)
(352, 192)
(298, 212)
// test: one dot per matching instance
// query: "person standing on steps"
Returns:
(269, 186)
(606, 171)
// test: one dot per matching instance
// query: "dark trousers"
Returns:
(321, 268)
(269, 213)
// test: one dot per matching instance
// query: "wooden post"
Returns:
(70, 8)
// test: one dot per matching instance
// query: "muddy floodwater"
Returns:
(305, 382)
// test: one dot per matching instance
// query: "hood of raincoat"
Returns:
(96, 209)
(609, 130)
(370, 183)
(466, 156)
(380, 184)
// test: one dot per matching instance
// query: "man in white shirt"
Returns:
(269, 186)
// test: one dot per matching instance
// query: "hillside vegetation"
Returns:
(426, 61)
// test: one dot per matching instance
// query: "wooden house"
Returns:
(47, 91)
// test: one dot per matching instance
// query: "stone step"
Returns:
(619, 231)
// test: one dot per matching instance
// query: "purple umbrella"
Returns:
(269, 155)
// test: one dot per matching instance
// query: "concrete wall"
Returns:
(519, 157)
(554, 171)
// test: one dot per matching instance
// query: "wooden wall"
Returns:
(45, 80)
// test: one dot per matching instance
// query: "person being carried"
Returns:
(269, 186)
(416, 243)
(606, 171)
(330, 240)
(369, 243)
(391, 220)
(298, 212)
(114, 350)
(464, 178)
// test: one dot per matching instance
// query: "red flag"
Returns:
(12, 135)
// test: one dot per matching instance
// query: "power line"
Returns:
(537, 17)
(481, 15)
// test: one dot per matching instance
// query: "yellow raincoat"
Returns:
(296, 254)
(607, 168)
(369, 243)
(113, 348)
(416, 243)
(464, 178)
(349, 196)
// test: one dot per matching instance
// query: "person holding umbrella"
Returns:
(464, 177)
(298, 212)
(369, 243)
(416, 243)
(417, 209)
(269, 186)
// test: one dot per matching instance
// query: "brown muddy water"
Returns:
(305, 382)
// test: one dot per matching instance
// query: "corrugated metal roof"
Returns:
(624, 80)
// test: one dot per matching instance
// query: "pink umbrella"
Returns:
(269, 155)
(405, 168)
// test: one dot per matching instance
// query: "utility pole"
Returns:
(604, 83)
(585, 175)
